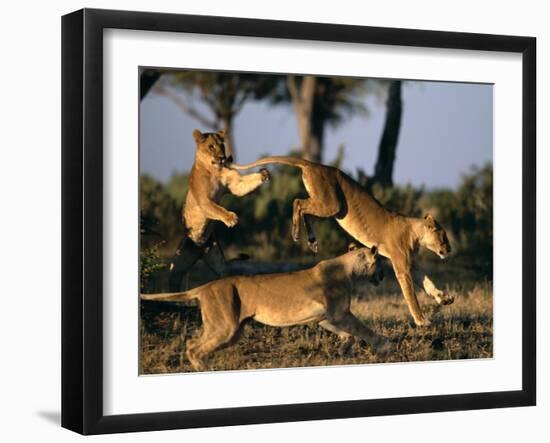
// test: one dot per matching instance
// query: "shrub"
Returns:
(265, 216)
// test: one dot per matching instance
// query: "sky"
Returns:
(446, 129)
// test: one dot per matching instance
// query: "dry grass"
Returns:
(463, 330)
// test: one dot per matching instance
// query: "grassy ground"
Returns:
(463, 330)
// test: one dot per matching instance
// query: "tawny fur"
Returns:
(332, 193)
(210, 179)
(320, 294)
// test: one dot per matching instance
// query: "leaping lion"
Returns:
(332, 193)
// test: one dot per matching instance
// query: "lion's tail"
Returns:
(291, 161)
(172, 296)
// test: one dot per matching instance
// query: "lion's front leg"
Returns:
(241, 185)
(214, 211)
(423, 281)
(345, 337)
(403, 274)
(341, 321)
(440, 297)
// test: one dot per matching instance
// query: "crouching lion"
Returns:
(319, 294)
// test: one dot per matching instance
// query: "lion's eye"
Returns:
(211, 146)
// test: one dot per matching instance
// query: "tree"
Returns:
(319, 101)
(303, 97)
(147, 78)
(383, 171)
(224, 94)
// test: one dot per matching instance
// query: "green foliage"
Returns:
(340, 97)
(160, 214)
(177, 187)
(403, 199)
(230, 88)
(468, 215)
(265, 217)
(150, 262)
(224, 93)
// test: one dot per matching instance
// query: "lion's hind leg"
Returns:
(196, 361)
(214, 258)
(304, 209)
(323, 202)
(199, 352)
(300, 207)
(185, 257)
(220, 316)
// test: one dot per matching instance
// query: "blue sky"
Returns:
(446, 129)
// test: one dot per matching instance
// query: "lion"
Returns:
(332, 193)
(320, 294)
(209, 180)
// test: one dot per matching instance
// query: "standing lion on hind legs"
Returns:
(334, 194)
(209, 181)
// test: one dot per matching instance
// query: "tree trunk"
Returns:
(147, 79)
(227, 126)
(310, 123)
(383, 171)
(317, 136)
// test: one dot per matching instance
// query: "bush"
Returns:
(468, 215)
(265, 216)
(160, 215)
(150, 263)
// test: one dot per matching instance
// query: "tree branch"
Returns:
(239, 102)
(192, 112)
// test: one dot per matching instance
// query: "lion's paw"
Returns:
(266, 176)
(384, 348)
(231, 220)
(422, 322)
(443, 299)
(313, 245)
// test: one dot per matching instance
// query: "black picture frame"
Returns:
(82, 218)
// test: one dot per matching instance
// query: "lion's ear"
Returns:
(430, 220)
(221, 133)
(352, 246)
(197, 135)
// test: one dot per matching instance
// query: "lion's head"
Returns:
(366, 264)
(211, 147)
(434, 237)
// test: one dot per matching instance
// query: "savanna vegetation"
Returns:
(461, 330)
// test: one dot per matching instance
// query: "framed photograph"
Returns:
(269, 221)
